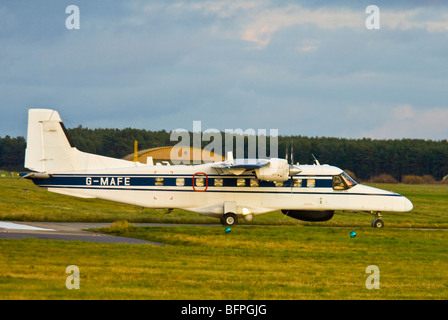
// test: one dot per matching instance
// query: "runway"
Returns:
(77, 231)
(68, 231)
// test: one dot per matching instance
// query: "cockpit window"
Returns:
(343, 182)
(349, 180)
(338, 183)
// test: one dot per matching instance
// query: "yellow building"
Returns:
(188, 154)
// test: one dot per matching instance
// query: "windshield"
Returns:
(343, 182)
(349, 180)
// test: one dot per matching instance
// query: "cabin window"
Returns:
(297, 183)
(180, 182)
(200, 182)
(159, 181)
(278, 183)
(241, 182)
(254, 183)
(310, 183)
(218, 182)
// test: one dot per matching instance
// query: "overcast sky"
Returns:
(297, 66)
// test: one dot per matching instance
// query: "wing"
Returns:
(239, 166)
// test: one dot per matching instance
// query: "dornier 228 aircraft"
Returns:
(229, 190)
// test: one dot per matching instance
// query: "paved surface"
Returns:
(71, 231)
(68, 231)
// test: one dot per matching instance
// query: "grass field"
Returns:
(274, 258)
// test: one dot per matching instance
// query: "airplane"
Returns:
(229, 190)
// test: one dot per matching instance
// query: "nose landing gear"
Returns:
(377, 222)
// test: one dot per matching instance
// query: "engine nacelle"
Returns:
(308, 215)
(277, 170)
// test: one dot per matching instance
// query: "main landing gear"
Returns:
(229, 219)
(377, 222)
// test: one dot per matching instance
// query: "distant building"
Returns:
(162, 154)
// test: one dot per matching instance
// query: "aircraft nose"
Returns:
(408, 206)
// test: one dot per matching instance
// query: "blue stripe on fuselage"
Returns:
(148, 183)
(168, 180)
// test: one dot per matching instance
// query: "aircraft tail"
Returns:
(50, 150)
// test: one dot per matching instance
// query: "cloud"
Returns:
(258, 21)
(262, 27)
(307, 48)
(309, 69)
(407, 121)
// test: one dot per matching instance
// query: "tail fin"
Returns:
(50, 150)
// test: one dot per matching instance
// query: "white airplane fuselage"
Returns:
(165, 186)
(198, 188)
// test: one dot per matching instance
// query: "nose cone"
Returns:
(408, 206)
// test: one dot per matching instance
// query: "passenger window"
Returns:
(218, 182)
(180, 182)
(241, 182)
(199, 182)
(159, 181)
(254, 183)
(278, 183)
(297, 183)
(310, 183)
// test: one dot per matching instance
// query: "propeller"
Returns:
(293, 169)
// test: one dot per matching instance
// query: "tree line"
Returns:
(366, 158)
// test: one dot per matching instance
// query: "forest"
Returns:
(364, 158)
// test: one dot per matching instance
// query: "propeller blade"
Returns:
(292, 152)
(293, 170)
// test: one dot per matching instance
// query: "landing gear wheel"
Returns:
(377, 223)
(229, 219)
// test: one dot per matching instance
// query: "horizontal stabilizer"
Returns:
(35, 175)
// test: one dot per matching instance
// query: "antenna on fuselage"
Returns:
(316, 162)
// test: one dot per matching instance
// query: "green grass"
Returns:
(258, 262)
(282, 259)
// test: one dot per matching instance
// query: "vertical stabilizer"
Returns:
(34, 152)
(50, 150)
(46, 142)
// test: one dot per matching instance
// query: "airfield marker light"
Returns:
(352, 234)
(227, 230)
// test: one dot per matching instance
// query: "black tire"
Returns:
(229, 219)
(377, 223)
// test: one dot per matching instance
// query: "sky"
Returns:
(309, 68)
